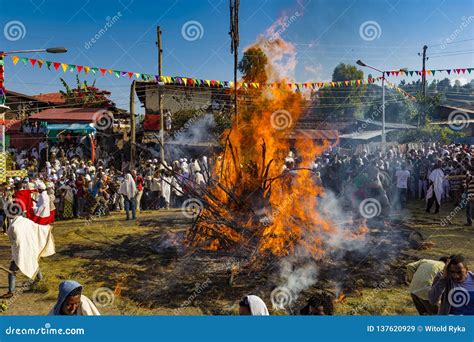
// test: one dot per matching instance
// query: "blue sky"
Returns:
(324, 33)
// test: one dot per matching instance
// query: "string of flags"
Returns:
(186, 81)
(195, 82)
(2, 78)
(400, 91)
(427, 72)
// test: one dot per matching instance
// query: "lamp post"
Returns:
(359, 62)
(3, 107)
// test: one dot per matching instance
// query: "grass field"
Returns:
(114, 258)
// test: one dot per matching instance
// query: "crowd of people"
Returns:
(62, 184)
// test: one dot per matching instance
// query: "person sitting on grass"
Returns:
(252, 306)
(455, 286)
(71, 301)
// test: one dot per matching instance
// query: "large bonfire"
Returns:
(254, 205)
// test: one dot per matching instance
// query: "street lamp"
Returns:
(359, 62)
(3, 107)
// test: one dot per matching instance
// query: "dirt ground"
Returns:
(126, 271)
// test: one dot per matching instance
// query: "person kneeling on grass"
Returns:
(71, 301)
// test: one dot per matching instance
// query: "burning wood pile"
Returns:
(258, 203)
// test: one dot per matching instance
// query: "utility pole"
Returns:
(160, 94)
(423, 72)
(423, 79)
(133, 138)
(234, 47)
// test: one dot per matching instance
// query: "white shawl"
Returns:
(437, 177)
(257, 306)
(128, 187)
(30, 241)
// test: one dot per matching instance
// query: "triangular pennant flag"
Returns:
(40, 63)
(110, 71)
(184, 79)
(397, 73)
(48, 64)
(123, 73)
(469, 70)
(231, 84)
(137, 75)
(116, 73)
(102, 71)
(358, 82)
(64, 66)
(448, 71)
(86, 69)
(209, 83)
(463, 71)
(411, 73)
(130, 74)
(71, 67)
(79, 68)
(24, 60)
(15, 59)
(94, 70)
(428, 72)
(458, 71)
(32, 61)
(433, 72)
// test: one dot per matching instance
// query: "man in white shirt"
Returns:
(402, 177)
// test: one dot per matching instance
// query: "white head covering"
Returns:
(257, 306)
(40, 185)
(128, 187)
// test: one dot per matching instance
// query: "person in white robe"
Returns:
(41, 208)
(435, 188)
(128, 189)
(29, 242)
(71, 301)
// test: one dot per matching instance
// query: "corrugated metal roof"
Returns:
(60, 115)
(314, 134)
(364, 135)
(389, 125)
(51, 97)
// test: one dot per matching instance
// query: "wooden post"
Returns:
(160, 95)
(133, 149)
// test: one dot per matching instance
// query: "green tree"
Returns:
(252, 65)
